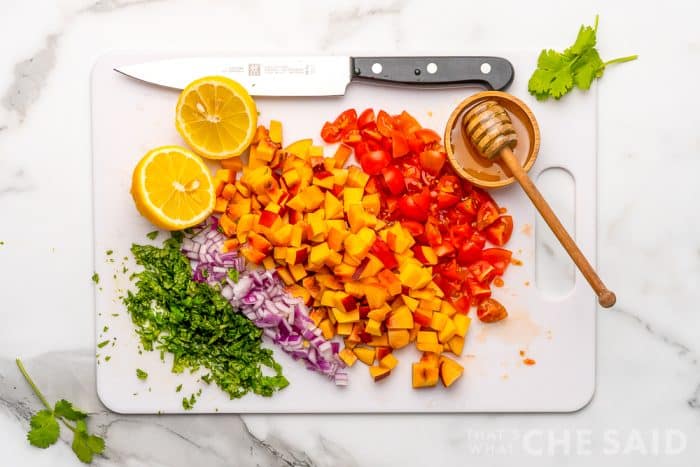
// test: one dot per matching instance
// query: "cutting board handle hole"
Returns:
(554, 271)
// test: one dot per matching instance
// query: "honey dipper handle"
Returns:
(606, 298)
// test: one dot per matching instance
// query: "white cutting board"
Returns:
(130, 117)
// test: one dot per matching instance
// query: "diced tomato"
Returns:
(461, 232)
(444, 249)
(330, 133)
(445, 200)
(347, 119)
(351, 137)
(427, 136)
(385, 123)
(382, 251)
(393, 180)
(490, 311)
(399, 144)
(468, 253)
(468, 207)
(432, 161)
(479, 239)
(416, 229)
(499, 258)
(406, 123)
(373, 162)
(477, 290)
(462, 304)
(373, 135)
(432, 233)
(500, 231)
(415, 206)
(365, 119)
(482, 271)
(487, 215)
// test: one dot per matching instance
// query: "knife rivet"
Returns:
(431, 68)
(376, 68)
(485, 68)
(416, 71)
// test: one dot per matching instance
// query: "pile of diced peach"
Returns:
(315, 222)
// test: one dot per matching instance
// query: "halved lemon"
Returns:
(173, 188)
(217, 117)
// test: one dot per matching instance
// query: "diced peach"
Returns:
(326, 328)
(425, 254)
(351, 196)
(376, 296)
(234, 164)
(430, 358)
(297, 255)
(300, 148)
(450, 371)
(382, 352)
(312, 197)
(228, 226)
(365, 354)
(378, 341)
(319, 254)
(373, 327)
(400, 319)
(390, 281)
(341, 155)
(220, 205)
(398, 338)
(389, 361)
(285, 275)
(343, 317)
(226, 175)
(252, 255)
(356, 178)
(340, 176)
(230, 244)
(379, 314)
(344, 329)
(268, 262)
(297, 235)
(456, 345)
(415, 277)
(424, 375)
(332, 206)
(324, 179)
(461, 323)
(334, 259)
(348, 356)
(297, 271)
(371, 203)
(379, 372)
(447, 332)
(423, 317)
(276, 131)
(438, 322)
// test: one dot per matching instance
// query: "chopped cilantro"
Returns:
(96, 278)
(233, 275)
(152, 235)
(187, 404)
(178, 388)
(558, 72)
(174, 313)
(105, 329)
(102, 344)
(140, 374)
(109, 252)
(107, 358)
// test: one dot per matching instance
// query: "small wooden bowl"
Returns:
(513, 105)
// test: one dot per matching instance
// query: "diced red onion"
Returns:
(262, 298)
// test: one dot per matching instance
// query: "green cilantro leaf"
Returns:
(140, 374)
(233, 275)
(558, 72)
(152, 235)
(96, 278)
(85, 446)
(44, 429)
(65, 409)
(102, 344)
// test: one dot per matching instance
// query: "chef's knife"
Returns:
(326, 75)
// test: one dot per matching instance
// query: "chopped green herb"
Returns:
(107, 358)
(102, 344)
(140, 374)
(109, 252)
(105, 329)
(178, 388)
(558, 72)
(187, 404)
(44, 428)
(233, 275)
(96, 278)
(174, 313)
(115, 314)
(152, 235)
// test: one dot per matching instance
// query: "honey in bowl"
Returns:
(465, 157)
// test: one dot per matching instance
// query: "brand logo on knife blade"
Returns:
(254, 69)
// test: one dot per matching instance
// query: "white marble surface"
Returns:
(648, 347)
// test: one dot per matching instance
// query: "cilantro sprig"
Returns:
(558, 72)
(44, 428)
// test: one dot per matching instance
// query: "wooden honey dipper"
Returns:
(489, 128)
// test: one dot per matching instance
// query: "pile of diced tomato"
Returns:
(422, 192)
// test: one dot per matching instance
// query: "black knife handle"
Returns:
(491, 72)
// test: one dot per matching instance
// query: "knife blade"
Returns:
(326, 75)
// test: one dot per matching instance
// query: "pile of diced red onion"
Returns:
(261, 296)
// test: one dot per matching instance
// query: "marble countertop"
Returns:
(646, 410)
